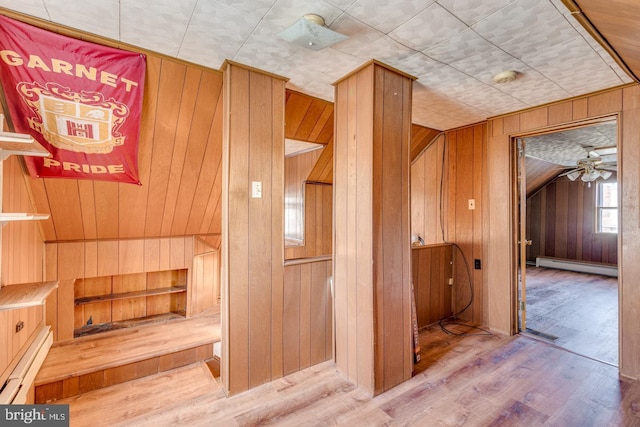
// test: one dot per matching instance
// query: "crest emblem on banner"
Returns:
(76, 121)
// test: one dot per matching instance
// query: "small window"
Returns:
(607, 207)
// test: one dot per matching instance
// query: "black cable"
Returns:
(451, 319)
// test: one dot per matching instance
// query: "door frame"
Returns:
(518, 210)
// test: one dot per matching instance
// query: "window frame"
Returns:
(600, 208)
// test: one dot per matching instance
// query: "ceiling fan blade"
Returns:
(570, 171)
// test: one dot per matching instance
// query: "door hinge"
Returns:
(522, 305)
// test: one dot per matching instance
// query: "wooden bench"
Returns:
(97, 361)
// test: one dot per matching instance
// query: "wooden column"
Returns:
(252, 230)
(629, 239)
(372, 252)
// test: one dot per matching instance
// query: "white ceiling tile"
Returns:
(342, 4)
(459, 47)
(419, 64)
(102, 19)
(533, 88)
(385, 50)
(360, 34)
(216, 32)
(491, 100)
(471, 12)
(159, 25)
(264, 51)
(486, 64)
(539, 38)
(574, 50)
(430, 27)
(37, 8)
(445, 114)
(584, 80)
(327, 66)
(466, 90)
(285, 12)
(557, 32)
(386, 15)
(522, 17)
(251, 7)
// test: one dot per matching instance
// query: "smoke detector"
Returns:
(505, 77)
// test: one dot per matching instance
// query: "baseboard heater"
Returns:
(578, 266)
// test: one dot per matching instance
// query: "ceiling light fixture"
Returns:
(588, 174)
(505, 77)
(573, 175)
(311, 32)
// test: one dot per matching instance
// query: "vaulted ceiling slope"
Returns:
(180, 152)
(617, 21)
(453, 47)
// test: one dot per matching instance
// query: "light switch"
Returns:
(472, 204)
(256, 189)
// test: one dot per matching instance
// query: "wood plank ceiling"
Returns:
(615, 21)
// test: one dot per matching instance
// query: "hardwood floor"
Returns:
(488, 380)
(580, 310)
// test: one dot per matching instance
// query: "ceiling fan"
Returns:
(599, 163)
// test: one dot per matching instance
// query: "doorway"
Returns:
(568, 241)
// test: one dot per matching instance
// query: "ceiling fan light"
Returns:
(590, 175)
(573, 175)
(605, 174)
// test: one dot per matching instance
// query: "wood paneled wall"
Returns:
(179, 164)
(323, 170)
(252, 247)
(205, 278)
(296, 171)
(426, 181)
(308, 118)
(432, 267)
(307, 317)
(68, 261)
(22, 244)
(15, 344)
(318, 223)
(463, 162)
(372, 252)
(561, 223)
(421, 137)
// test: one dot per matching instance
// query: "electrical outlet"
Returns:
(472, 204)
(477, 264)
(256, 189)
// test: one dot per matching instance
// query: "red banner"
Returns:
(80, 100)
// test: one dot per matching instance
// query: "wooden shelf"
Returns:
(122, 324)
(19, 144)
(134, 294)
(6, 217)
(25, 294)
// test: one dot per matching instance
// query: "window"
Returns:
(607, 207)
